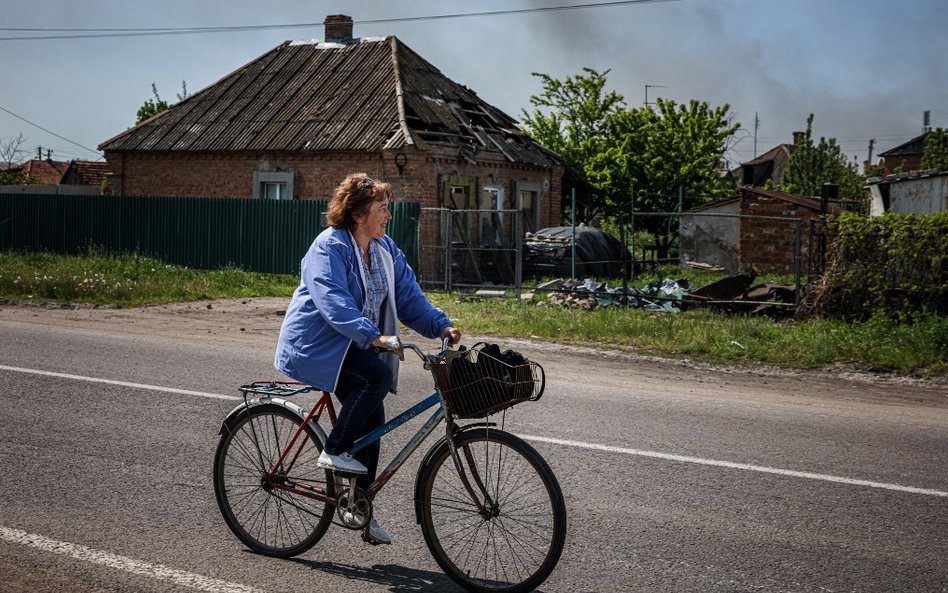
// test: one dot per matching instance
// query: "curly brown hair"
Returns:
(353, 198)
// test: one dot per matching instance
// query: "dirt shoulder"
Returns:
(256, 322)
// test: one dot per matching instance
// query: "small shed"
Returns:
(916, 192)
(770, 233)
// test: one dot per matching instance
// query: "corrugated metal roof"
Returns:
(367, 96)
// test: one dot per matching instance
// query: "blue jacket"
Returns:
(324, 318)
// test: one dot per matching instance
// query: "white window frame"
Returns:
(284, 179)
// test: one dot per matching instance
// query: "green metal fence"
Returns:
(206, 233)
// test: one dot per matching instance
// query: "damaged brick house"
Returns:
(293, 122)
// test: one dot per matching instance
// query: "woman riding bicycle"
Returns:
(340, 332)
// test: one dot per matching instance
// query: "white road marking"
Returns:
(118, 383)
(156, 571)
(732, 465)
(553, 441)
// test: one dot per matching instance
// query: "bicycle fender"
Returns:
(435, 449)
(234, 414)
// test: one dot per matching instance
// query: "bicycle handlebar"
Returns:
(424, 356)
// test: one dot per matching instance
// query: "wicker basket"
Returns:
(479, 382)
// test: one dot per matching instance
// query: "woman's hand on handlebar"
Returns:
(451, 334)
(391, 343)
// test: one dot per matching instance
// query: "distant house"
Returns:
(915, 192)
(91, 173)
(293, 122)
(765, 170)
(59, 178)
(904, 157)
(43, 171)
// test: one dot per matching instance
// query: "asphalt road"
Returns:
(677, 479)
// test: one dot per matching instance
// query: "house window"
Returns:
(273, 190)
(269, 185)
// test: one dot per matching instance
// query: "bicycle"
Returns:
(490, 508)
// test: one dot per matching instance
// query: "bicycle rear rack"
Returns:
(275, 388)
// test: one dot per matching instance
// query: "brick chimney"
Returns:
(798, 138)
(338, 28)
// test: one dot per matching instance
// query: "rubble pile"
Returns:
(732, 294)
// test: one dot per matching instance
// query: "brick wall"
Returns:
(316, 176)
(230, 175)
(769, 245)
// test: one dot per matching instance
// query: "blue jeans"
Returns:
(364, 381)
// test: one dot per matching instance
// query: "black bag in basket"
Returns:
(488, 380)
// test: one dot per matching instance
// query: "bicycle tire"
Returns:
(267, 520)
(517, 547)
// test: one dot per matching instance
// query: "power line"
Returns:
(99, 33)
(48, 131)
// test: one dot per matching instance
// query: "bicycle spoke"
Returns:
(514, 543)
(269, 519)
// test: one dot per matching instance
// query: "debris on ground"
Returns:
(731, 294)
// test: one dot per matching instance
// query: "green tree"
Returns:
(621, 149)
(683, 147)
(575, 118)
(936, 150)
(152, 108)
(811, 165)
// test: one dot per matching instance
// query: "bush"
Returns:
(892, 265)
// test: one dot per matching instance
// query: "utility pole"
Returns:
(756, 125)
(652, 86)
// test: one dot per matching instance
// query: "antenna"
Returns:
(652, 86)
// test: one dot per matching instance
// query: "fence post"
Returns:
(518, 257)
(797, 262)
(573, 242)
(447, 250)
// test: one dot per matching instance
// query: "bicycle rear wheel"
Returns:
(515, 544)
(264, 516)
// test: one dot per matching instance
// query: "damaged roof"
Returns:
(811, 203)
(369, 95)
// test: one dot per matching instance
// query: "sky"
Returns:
(866, 69)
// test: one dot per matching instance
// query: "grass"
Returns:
(126, 280)
(918, 348)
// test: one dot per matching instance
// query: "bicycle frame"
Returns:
(277, 473)
(288, 456)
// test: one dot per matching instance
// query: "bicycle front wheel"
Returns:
(270, 511)
(514, 543)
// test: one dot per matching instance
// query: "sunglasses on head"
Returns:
(367, 182)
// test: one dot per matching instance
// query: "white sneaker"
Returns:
(375, 534)
(342, 463)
